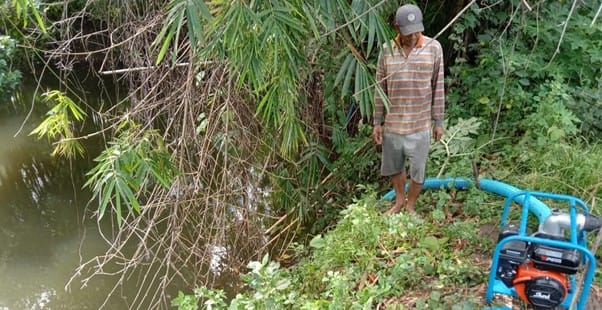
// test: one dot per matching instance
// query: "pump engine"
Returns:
(540, 273)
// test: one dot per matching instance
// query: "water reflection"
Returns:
(43, 237)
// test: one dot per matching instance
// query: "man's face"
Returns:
(408, 40)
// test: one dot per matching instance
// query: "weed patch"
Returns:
(369, 260)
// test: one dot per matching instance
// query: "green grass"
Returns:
(431, 259)
(436, 258)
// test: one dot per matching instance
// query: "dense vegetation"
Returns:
(9, 76)
(368, 261)
(246, 127)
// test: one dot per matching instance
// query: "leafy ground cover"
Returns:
(523, 106)
(436, 258)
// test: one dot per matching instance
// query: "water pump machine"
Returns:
(540, 267)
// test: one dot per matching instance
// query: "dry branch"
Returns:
(207, 224)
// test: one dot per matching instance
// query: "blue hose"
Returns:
(536, 207)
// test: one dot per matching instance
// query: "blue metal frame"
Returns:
(577, 241)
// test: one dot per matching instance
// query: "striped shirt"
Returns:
(413, 85)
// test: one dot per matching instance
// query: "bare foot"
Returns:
(410, 209)
(397, 206)
(394, 209)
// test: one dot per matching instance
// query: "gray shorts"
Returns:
(399, 148)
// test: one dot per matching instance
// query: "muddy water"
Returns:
(45, 229)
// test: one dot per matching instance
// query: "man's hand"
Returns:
(377, 134)
(437, 133)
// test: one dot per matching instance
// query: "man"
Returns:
(410, 73)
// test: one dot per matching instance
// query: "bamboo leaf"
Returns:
(349, 75)
(107, 193)
(383, 95)
(38, 18)
(58, 124)
(165, 41)
(168, 30)
(176, 41)
(309, 16)
(118, 209)
(366, 94)
(126, 192)
(267, 108)
(383, 32)
(372, 29)
(195, 28)
(203, 9)
(357, 84)
(134, 161)
(344, 68)
(24, 7)
(165, 44)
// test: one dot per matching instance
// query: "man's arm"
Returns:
(438, 105)
(381, 82)
(379, 101)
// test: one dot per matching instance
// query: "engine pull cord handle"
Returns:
(594, 249)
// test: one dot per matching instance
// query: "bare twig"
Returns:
(596, 16)
(566, 24)
(207, 224)
(129, 70)
(354, 19)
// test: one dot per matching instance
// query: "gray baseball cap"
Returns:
(409, 19)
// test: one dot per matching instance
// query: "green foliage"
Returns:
(213, 299)
(516, 75)
(552, 122)
(572, 169)
(318, 197)
(538, 87)
(58, 124)
(365, 32)
(505, 71)
(9, 77)
(587, 104)
(27, 10)
(294, 183)
(271, 286)
(458, 143)
(132, 162)
(187, 14)
(354, 32)
(185, 302)
(478, 204)
(263, 43)
(271, 50)
(369, 259)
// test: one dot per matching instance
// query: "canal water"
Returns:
(46, 223)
